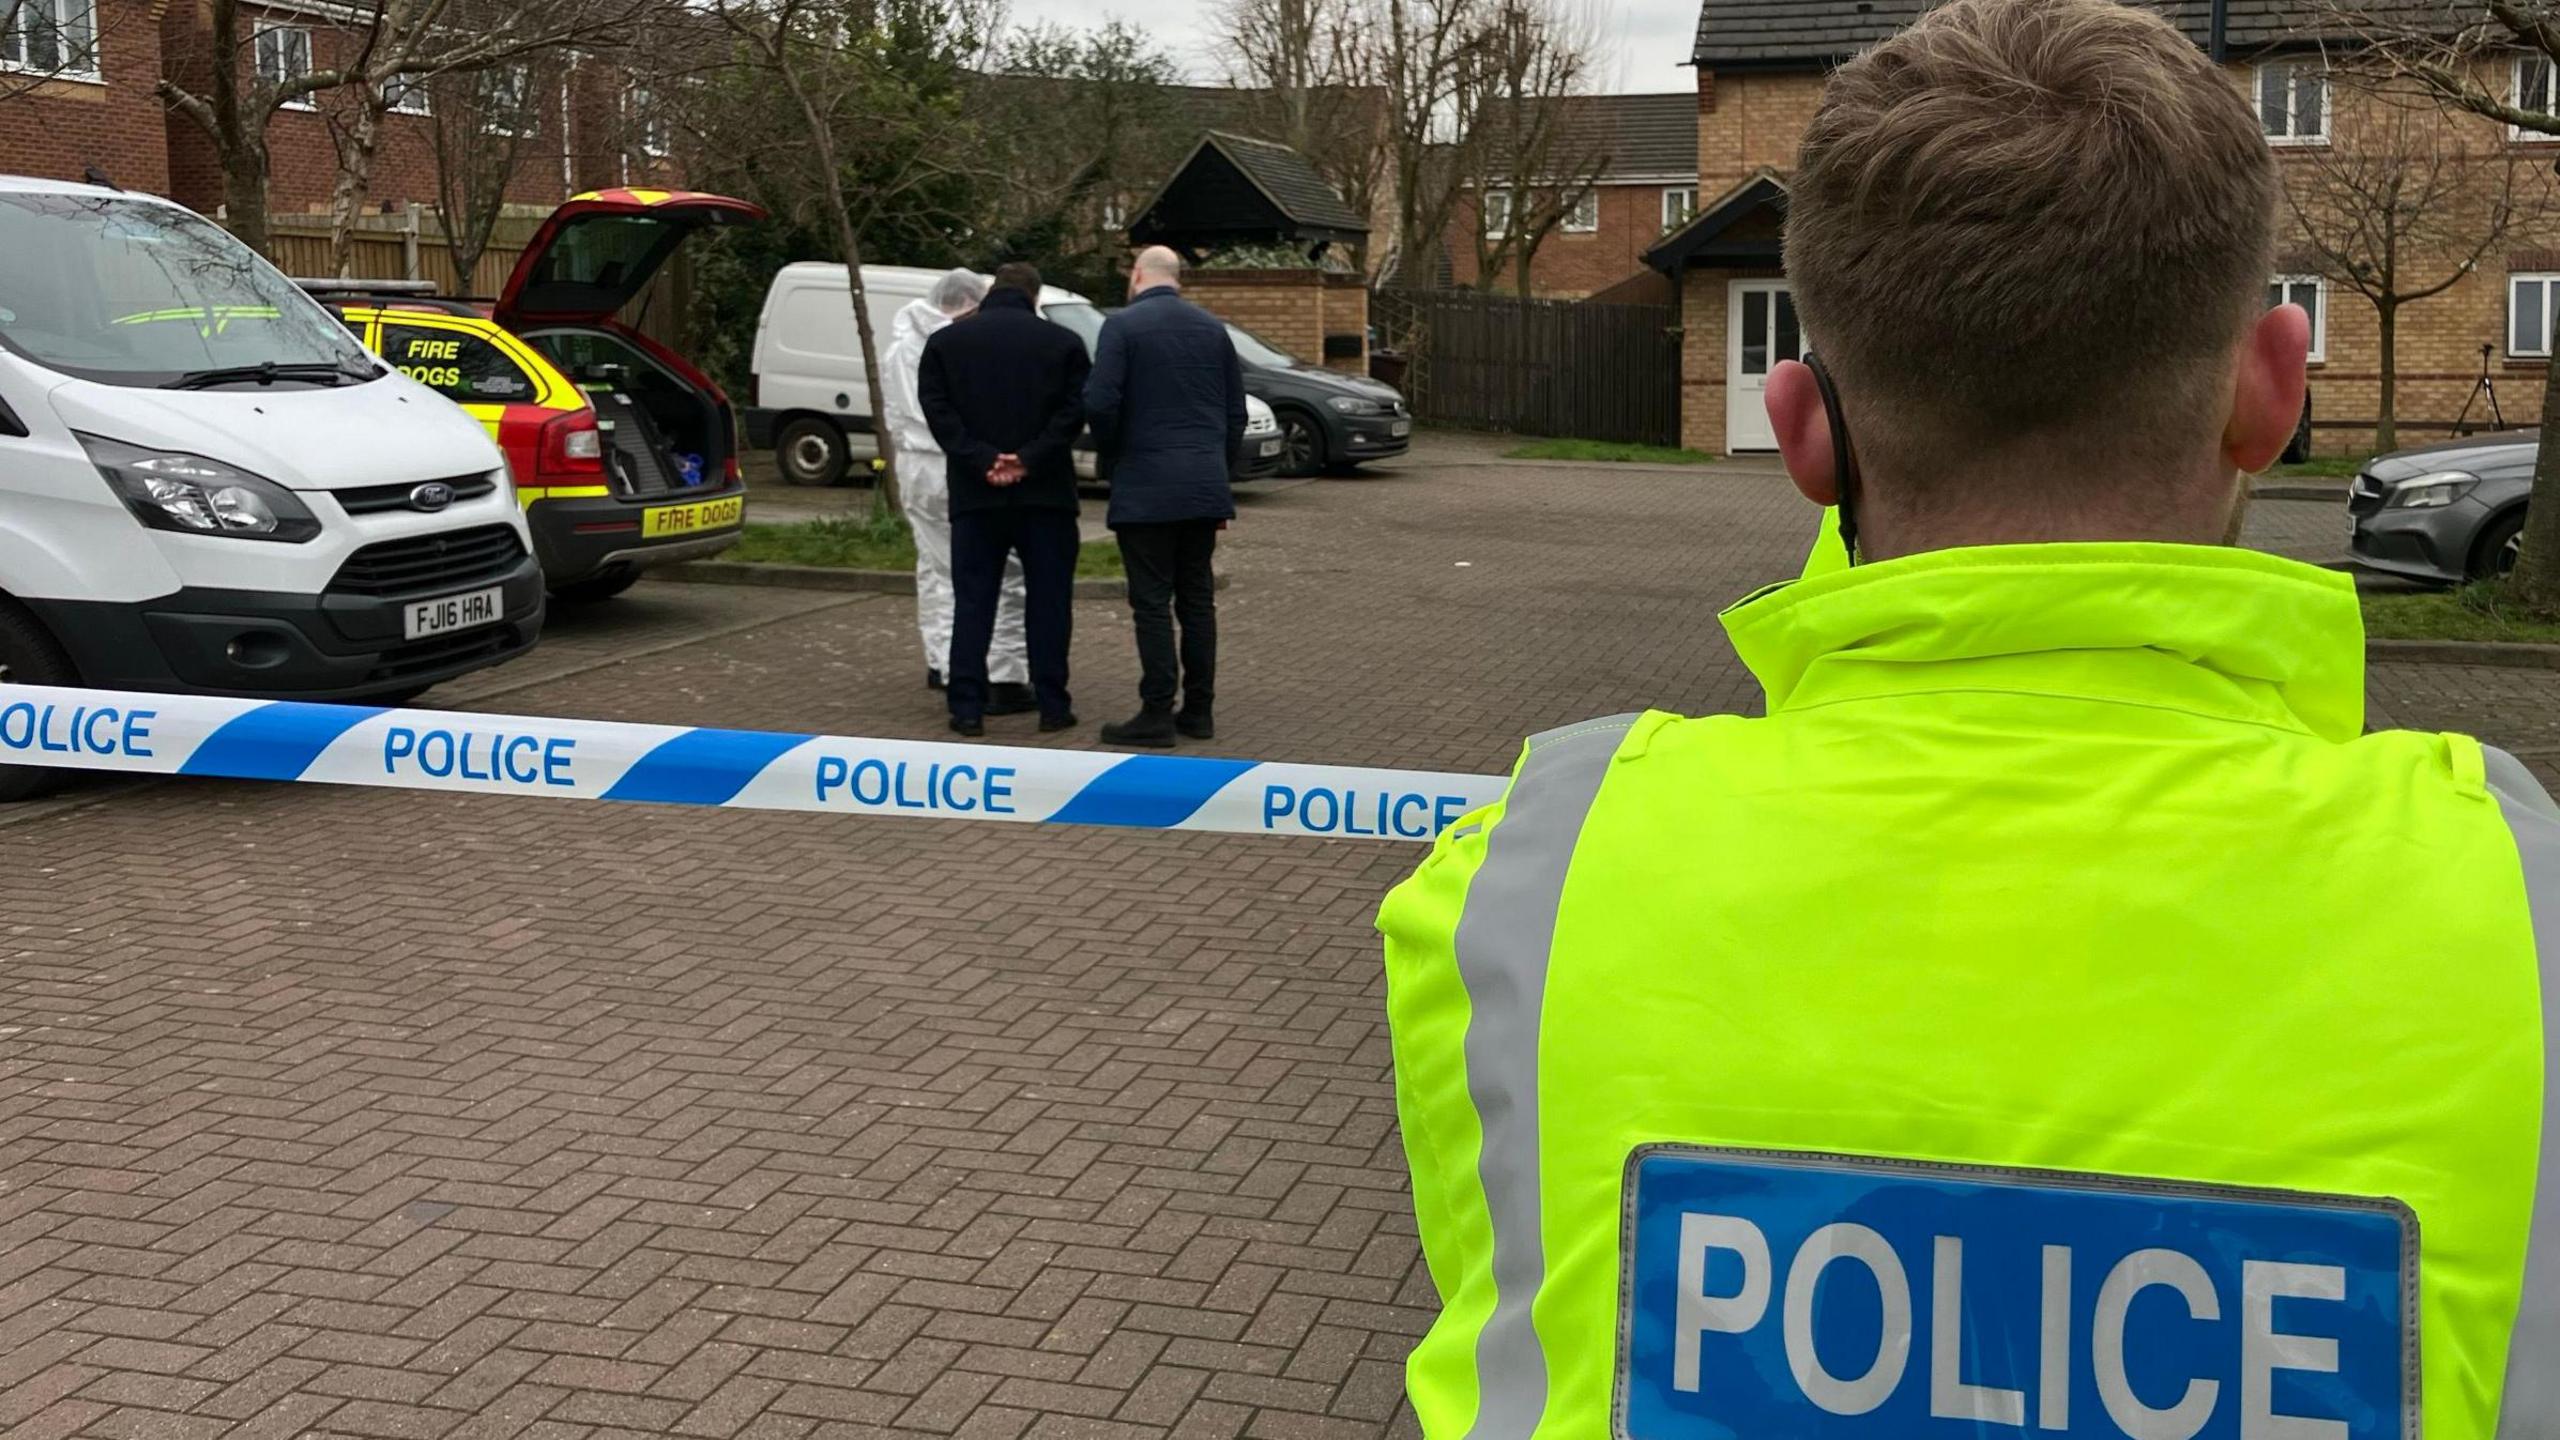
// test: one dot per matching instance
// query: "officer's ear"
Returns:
(1803, 426)
(2267, 385)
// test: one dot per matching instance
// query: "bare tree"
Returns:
(481, 127)
(868, 83)
(384, 46)
(1307, 75)
(2495, 61)
(1541, 145)
(1070, 120)
(2398, 208)
(1422, 67)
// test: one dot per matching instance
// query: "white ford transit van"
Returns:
(207, 484)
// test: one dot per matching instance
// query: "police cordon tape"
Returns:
(287, 740)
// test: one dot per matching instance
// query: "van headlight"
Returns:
(170, 490)
(2428, 492)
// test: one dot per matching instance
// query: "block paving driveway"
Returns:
(370, 1113)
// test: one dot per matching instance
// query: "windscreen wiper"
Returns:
(268, 372)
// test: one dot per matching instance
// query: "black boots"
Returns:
(1011, 697)
(1194, 722)
(1151, 728)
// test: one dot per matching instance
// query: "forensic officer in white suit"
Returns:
(926, 491)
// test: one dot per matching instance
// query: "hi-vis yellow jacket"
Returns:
(2056, 1018)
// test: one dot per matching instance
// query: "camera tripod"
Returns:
(2483, 386)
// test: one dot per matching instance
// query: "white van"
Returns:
(813, 399)
(207, 484)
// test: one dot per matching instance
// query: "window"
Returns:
(649, 123)
(2529, 305)
(2535, 91)
(1679, 205)
(405, 95)
(1582, 217)
(2293, 102)
(50, 37)
(507, 96)
(456, 364)
(2312, 294)
(1497, 213)
(1115, 216)
(284, 56)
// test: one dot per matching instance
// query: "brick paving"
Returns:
(384, 1114)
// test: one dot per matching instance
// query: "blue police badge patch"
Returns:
(1830, 1297)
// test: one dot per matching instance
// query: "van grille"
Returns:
(427, 564)
(418, 657)
(376, 499)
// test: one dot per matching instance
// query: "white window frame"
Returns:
(1115, 214)
(2548, 101)
(258, 58)
(406, 95)
(2285, 285)
(650, 133)
(1496, 213)
(2293, 70)
(2549, 281)
(1679, 205)
(61, 15)
(1582, 217)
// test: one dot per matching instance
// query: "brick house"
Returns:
(1642, 152)
(1760, 68)
(81, 92)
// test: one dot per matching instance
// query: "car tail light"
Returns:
(571, 445)
(730, 469)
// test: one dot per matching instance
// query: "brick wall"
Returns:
(1293, 309)
(1746, 122)
(1570, 266)
(58, 128)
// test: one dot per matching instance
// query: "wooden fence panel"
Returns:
(1538, 367)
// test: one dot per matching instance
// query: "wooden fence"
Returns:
(1583, 371)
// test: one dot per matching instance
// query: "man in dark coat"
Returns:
(1004, 393)
(1167, 405)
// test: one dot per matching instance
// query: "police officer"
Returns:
(2056, 1017)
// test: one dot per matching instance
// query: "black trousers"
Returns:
(1170, 579)
(980, 540)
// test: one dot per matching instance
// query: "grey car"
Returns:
(2449, 513)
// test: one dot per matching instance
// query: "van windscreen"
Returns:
(132, 292)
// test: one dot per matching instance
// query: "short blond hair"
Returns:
(2043, 220)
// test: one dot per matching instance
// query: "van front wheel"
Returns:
(28, 656)
(810, 451)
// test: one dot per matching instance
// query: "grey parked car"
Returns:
(2451, 512)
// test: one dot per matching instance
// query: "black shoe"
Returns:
(1150, 728)
(1052, 724)
(1194, 721)
(1011, 697)
(969, 725)
(932, 678)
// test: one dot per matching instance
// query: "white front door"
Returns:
(1761, 330)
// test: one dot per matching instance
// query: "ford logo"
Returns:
(434, 495)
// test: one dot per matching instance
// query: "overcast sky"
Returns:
(1650, 38)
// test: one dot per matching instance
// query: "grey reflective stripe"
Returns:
(2532, 1408)
(1503, 937)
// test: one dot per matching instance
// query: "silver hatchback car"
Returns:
(2450, 513)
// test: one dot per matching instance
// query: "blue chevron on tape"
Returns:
(703, 767)
(274, 742)
(1150, 792)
